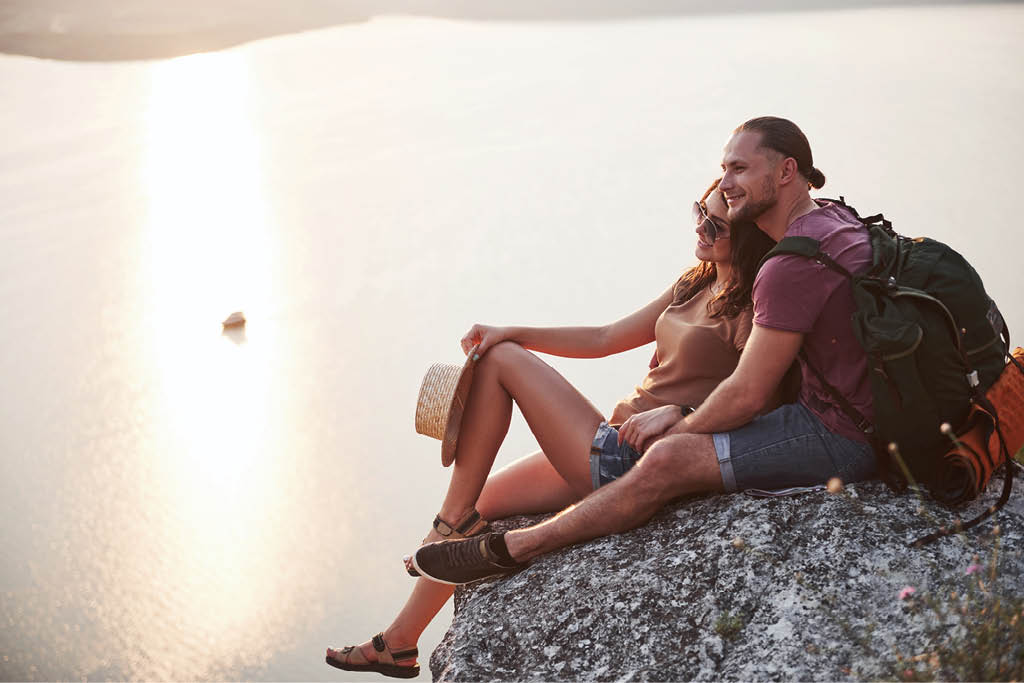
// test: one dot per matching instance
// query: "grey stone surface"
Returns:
(813, 592)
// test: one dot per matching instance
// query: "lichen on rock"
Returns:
(812, 592)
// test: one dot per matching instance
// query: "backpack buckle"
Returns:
(972, 378)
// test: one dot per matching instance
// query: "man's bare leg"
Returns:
(672, 467)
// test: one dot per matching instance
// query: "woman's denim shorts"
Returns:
(609, 459)
(787, 447)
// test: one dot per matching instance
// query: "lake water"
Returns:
(176, 503)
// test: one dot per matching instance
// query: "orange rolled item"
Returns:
(969, 464)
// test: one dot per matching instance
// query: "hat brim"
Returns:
(458, 407)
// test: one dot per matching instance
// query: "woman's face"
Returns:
(719, 251)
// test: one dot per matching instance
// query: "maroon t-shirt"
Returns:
(798, 294)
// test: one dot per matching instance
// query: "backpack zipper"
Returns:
(907, 352)
(949, 316)
(971, 352)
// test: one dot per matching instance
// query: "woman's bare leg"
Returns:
(560, 417)
(564, 423)
(530, 485)
(527, 486)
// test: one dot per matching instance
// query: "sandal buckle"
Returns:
(442, 527)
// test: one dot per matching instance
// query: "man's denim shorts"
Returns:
(787, 447)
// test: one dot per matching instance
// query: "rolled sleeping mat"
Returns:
(968, 465)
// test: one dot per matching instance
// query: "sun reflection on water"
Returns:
(208, 223)
(216, 473)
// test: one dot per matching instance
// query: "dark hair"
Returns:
(783, 136)
(748, 247)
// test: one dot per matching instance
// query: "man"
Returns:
(799, 305)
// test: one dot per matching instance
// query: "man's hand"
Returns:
(745, 393)
(642, 429)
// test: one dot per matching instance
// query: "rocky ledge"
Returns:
(810, 587)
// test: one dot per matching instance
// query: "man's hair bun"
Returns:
(816, 178)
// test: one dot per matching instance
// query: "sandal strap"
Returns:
(411, 653)
(462, 527)
(347, 652)
(382, 647)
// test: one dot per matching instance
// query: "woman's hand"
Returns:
(484, 335)
(640, 430)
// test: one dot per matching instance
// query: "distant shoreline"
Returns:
(125, 47)
(121, 30)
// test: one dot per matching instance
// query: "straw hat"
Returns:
(441, 402)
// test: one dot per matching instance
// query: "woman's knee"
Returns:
(506, 354)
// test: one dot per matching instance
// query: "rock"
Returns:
(236, 319)
(811, 591)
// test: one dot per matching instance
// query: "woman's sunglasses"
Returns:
(704, 222)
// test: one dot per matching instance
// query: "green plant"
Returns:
(729, 626)
(974, 635)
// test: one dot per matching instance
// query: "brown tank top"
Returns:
(695, 353)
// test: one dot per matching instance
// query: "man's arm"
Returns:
(744, 394)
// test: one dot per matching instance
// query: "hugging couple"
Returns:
(716, 413)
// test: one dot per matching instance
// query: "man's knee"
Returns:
(680, 465)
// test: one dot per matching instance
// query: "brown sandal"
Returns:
(353, 659)
(470, 525)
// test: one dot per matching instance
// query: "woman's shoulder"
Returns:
(733, 329)
(745, 316)
(741, 326)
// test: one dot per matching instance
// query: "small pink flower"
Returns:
(973, 569)
(907, 592)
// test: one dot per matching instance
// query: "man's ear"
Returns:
(788, 171)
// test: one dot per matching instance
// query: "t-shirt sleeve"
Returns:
(742, 326)
(791, 291)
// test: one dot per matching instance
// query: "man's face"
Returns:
(748, 180)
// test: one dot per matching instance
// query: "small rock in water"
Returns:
(234, 320)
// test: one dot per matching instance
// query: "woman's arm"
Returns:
(630, 332)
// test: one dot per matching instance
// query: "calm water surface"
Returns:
(176, 503)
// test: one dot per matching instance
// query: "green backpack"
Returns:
(935, 343)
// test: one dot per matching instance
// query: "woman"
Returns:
(700, 325)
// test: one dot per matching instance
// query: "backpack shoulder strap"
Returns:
(858, 419)
(874, 219)
(807, 247)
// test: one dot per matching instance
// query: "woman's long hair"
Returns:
(748, 247)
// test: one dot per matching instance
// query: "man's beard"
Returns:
(753, 210)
